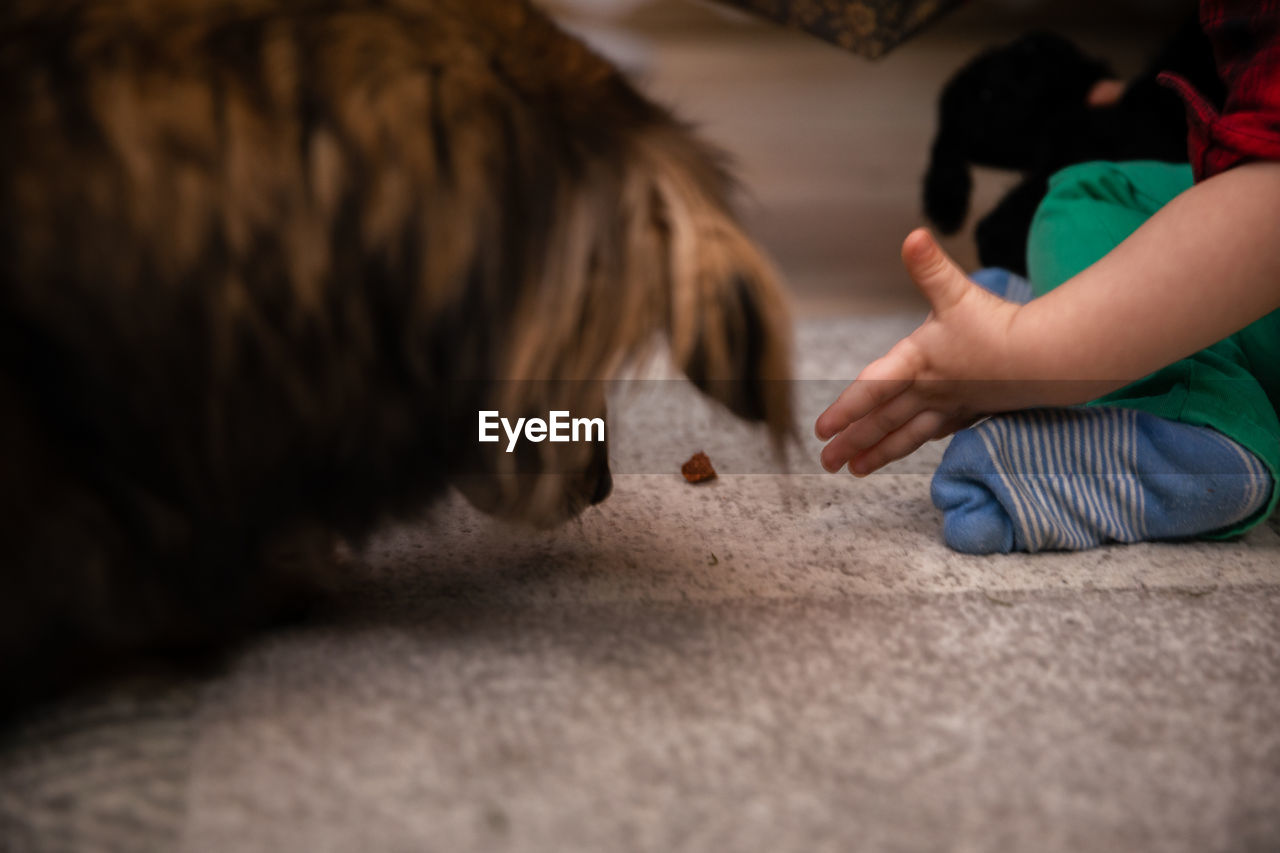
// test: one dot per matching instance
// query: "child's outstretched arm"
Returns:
(1204, 266)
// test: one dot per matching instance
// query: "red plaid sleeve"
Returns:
(1246, 46)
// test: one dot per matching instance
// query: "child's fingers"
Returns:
(939, 278)
(905, 441)
(879, 383)
(868, 431)
(856, 402)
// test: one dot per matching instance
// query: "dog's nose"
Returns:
(604, 485)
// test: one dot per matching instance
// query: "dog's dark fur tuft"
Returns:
(262, 262)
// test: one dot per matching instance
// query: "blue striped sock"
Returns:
(1074, 478)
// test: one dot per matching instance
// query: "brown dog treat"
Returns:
(698, 468)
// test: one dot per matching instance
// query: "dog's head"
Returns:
(646, 253)
(996, 110)
(618, 234)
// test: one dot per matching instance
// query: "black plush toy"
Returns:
(1025, 107)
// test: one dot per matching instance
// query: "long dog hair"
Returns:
(262, 262)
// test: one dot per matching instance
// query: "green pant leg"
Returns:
(1232, 386)
(1090, 209)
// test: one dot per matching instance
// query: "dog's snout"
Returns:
(604, 486)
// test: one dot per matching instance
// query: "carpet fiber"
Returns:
(779, 660)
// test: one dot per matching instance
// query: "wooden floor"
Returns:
(830, 147)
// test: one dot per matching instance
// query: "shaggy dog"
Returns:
(1023, 107)
(262, 263)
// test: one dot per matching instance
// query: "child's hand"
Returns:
(947, 373)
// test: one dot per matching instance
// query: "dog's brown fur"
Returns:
(258, 257)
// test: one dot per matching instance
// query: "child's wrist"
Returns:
(1042, 371)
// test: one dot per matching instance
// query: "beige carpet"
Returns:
(770, 662)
